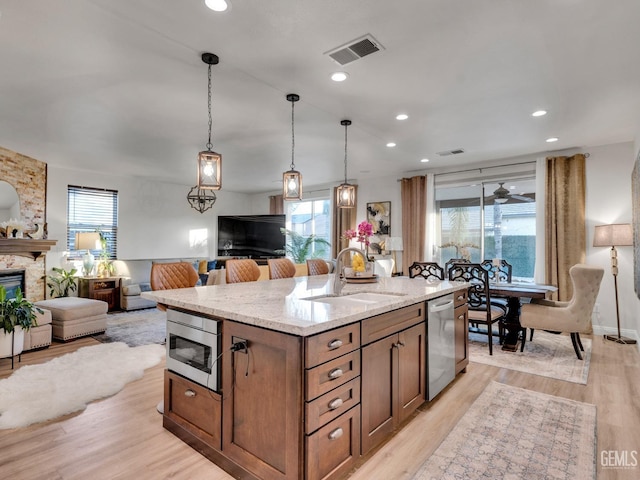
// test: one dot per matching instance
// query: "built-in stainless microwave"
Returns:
(193, 344)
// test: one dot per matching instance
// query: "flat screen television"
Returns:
(253, 236)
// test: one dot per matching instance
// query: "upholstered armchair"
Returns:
(574, 316)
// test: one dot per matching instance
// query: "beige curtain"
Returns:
(413, 193)
(276, 205)
(566, 242)
(343, 219)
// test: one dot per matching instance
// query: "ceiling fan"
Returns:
(502, 195)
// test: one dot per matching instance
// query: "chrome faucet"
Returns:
(338, 282)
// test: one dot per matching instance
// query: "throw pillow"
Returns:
(202, 266)
(145, 287)
(211, 265)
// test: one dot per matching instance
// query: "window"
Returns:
(471, 224)
(93, 210)
(311, 217)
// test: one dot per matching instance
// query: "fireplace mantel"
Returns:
(25, 247)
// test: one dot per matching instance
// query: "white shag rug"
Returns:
(66, 384)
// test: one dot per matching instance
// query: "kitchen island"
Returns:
(308, 382)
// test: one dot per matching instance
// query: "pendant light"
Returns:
(201, 199)
(292, 179)
(346, 193)
(209, 162)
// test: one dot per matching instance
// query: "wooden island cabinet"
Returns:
(305, 407)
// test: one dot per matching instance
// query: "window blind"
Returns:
(92, 210)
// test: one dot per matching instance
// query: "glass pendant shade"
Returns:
(292, 179)
(346, 193)
(209, 170)
(346, 196)
(292, 185)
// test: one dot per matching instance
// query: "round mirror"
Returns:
(9, 202)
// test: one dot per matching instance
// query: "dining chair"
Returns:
(574, 316)
(242, 270)
(481, 310)
(427, 270)
(498, 273)
(453, 261)
(317, 266)
(281, 268)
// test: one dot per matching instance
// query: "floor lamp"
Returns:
(620, 235)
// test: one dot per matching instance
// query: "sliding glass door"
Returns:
(486, 220)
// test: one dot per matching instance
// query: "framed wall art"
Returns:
(379, 215)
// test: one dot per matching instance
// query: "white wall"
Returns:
(154, 219)
(609, 201)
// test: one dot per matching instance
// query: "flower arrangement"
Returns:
(462, 249)
(362, 234)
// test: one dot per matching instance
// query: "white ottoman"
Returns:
(73, 317)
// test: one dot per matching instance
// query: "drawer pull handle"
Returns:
(335, 434)
(333, 344)
(189, 393)
(335, 373)
(335, 403)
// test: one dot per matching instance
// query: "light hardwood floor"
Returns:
(122, 437)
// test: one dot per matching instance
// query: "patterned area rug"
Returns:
(140, 327)
(547, 355)
(514, 433)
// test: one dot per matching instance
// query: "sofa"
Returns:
(136, 274)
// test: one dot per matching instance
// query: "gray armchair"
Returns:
(574, 316)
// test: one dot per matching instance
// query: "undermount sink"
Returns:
(362, 298)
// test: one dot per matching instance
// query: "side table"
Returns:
(106, 289)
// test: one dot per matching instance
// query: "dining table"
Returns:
(514, 292)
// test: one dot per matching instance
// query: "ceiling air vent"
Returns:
(455, 151)
(354, 50)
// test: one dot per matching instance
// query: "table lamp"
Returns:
(613, 235)
(394, 244)
(87, 241)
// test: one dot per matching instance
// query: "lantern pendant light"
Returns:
(292, 179)
(209, 162)
(346, 193)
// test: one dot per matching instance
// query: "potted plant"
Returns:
(61, 282)
(299, 247)
(17, 315)
(106, 268)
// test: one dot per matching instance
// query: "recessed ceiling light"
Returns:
(339, 76)
(391, 144)
(539, 113)
(551, 140)
(402, 116)
(424, 160)
(217, 5)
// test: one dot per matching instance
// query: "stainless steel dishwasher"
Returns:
(441, 362)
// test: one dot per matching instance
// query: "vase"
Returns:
(6, 339)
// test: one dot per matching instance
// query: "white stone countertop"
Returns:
(283, 305)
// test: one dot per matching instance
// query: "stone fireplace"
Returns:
(29, 177)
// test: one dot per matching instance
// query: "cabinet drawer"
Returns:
(330, 375)
(331, 405)
(193, 407)
(333, 450)
(332, 344)
(460, 297)
(381, 326)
